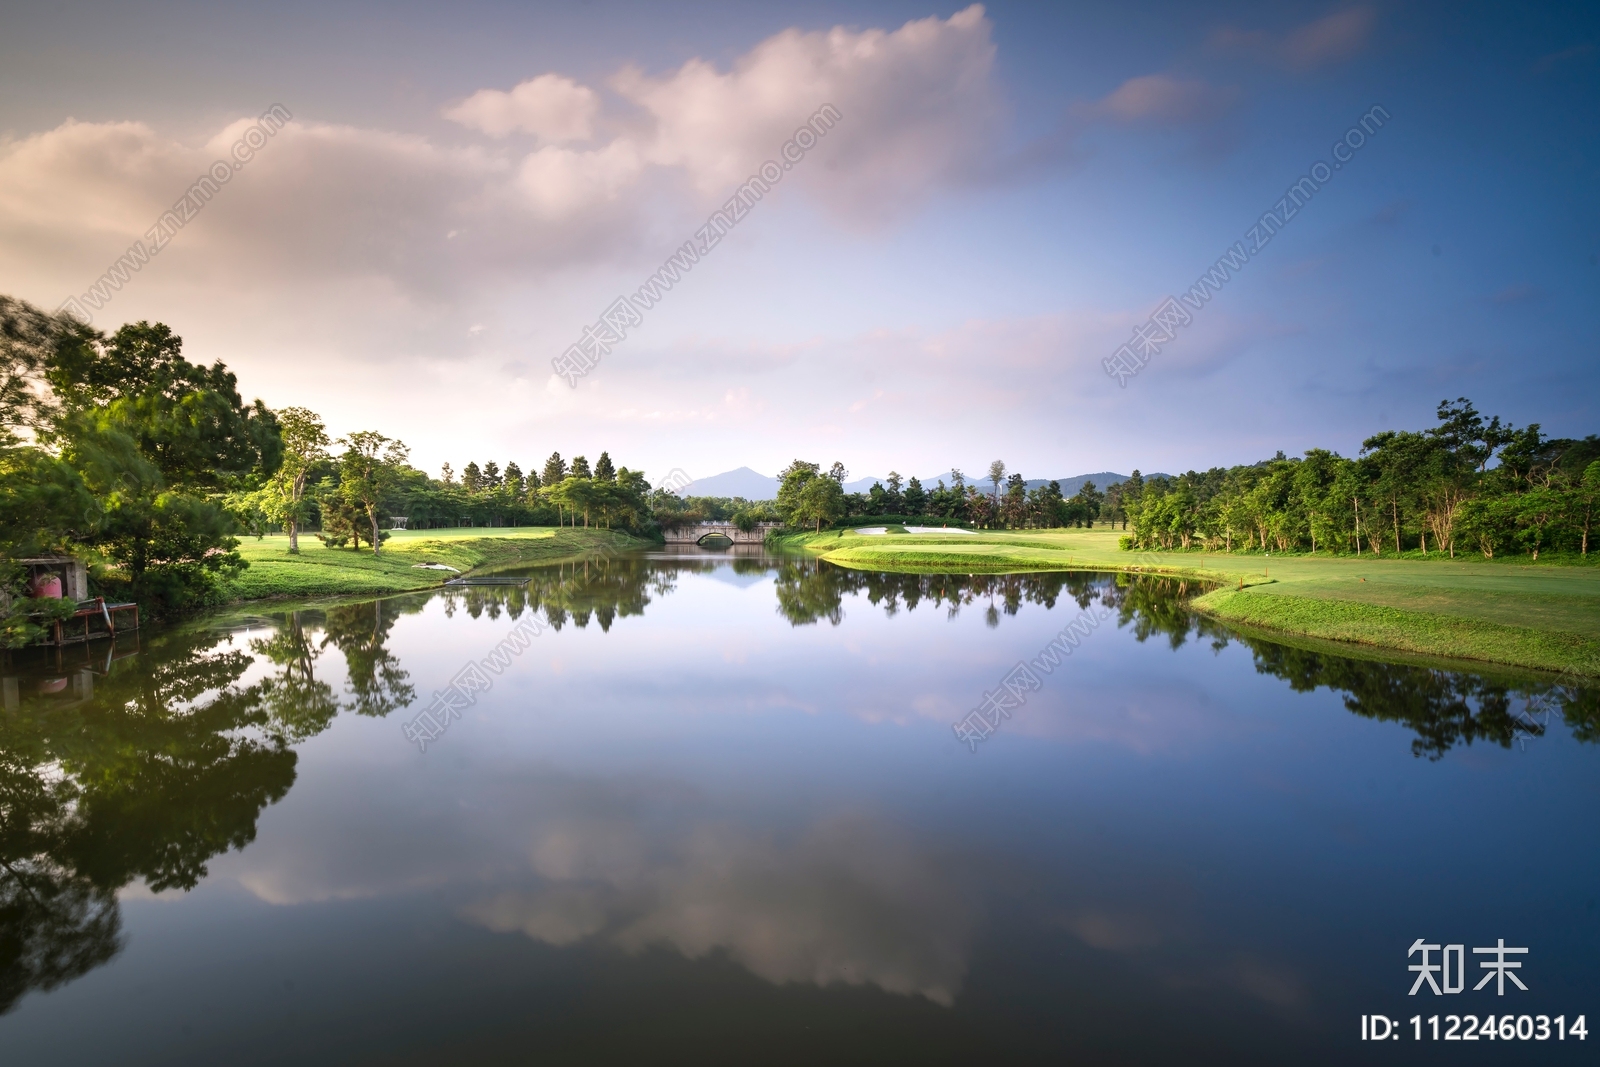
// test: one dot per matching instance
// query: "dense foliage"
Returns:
(809, 496)
(1466, 485)
(118, 449)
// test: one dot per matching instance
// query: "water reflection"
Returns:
(145, 767)
(850, 899)
(143, 771)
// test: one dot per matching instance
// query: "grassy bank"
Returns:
(322, 571)
(1541, 616)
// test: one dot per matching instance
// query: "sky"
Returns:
(1008, 193)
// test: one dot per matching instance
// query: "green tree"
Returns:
(1582, 499)
(916, 498)
(997, 473)
(367, 469)
(305, 441)
(792, 481)
(603, 470)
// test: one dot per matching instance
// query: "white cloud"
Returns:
(551, 107)
(918, 110)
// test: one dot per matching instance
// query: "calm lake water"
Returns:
(716, 812)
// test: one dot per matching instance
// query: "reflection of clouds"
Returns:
(1114, 931)
(1276, 985)
(848, 901)
(557, 917)
(645, 863)
(1146, 718)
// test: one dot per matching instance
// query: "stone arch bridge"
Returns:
(698, 532)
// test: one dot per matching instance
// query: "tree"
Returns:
(894, 503)
(447, 475)
(821, 500)
(159, 442)
(471, 477)
(188, 420)
(580, 467)
(915, 497)
(792, 481)
(997, 473)
(555, 469)
(305, 440)
(491, 476)
(603, 470)
(366, 471)
(513, 480)
(1583, 498)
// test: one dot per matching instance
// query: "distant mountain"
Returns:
(742, 482)
(753, 486)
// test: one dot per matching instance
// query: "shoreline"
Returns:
(1543, 617)
(319, 571)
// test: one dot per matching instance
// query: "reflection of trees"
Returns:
(598, 590)
(373, 673)
(810, 590)
(1443, 708)
(295, 697)
(146, 771)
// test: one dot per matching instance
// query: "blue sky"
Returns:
(1011, 189)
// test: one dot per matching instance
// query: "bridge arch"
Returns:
(697, 533)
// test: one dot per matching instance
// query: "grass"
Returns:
(1544, 616)
(322, 571)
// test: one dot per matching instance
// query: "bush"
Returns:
(30, 619)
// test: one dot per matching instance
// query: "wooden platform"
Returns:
(82, 625)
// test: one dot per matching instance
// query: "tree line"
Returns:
(313, 490)
(1468, 484)
(810, 496)
(117, 448)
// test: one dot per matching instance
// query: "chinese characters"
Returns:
(1449, 974)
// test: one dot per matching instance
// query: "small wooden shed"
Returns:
(72, 574)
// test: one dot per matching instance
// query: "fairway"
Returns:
(322, 571)
(1541, 615)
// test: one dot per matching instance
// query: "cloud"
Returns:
(1331, 39)
(361, 209)
(917, 104)
(850, 901)
(1160, 99)
(551, 107)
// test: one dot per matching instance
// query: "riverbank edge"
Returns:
(1424, 633)
(396, 570)
(1433, 634)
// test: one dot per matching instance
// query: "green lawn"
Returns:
(1542, 615)
(322, 571)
